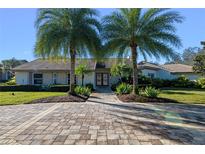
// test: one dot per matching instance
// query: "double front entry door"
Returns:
(102, 79)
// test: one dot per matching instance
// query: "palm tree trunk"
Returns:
(134, 65)
(82, 79)
(72, 72)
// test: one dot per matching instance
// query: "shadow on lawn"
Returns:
(175, 122)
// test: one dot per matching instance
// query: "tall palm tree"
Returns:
(67, 33)
(149, 32)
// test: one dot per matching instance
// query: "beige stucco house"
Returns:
(47, 72)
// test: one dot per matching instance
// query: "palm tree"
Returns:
(67, 33)
(81, 70)
(149, 32)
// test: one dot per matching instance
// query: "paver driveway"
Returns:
(102, 120)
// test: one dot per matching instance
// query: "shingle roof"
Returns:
(109, 62)
(178, 68)
(61, 65)
(55, 65)
(143, 65)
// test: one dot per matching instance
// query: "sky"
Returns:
(18, 33)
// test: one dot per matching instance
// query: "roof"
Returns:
(144, 65)
(109, 62)
(178, 68)
(64, 65)
(52, 65)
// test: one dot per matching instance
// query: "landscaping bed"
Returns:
(137, 98)
(58, 99)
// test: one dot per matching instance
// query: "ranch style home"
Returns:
(46, 72)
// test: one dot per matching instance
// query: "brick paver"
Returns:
(103, 119)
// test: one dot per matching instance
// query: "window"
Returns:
(151, 75)
(54, 78)
(69, 79)
(38, 78)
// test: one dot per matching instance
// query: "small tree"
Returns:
(199, 64)
(81, 70)
(121, 70)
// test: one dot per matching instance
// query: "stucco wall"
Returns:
(88, 78)
(146, 71)
(47, 78)
(163, 74)
(22, 78)
(62, 78)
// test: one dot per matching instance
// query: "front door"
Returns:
(102, 79)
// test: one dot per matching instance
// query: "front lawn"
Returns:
(185, 96)
(6, 98)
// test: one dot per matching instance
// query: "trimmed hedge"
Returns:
(54, 88)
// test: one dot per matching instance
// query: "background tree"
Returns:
(189, 54)
(176, 59)
(149, 32)
(81, 70)
(67, 33)
(11, 63)
(121, 70)
(199, 64)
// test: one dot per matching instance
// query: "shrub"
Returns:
(58, 88)
(12, 81)
(20, 88)
(90, 85)
(115, 85)
(181, 81)
(158, 83)
(82, 90)
(151, 92)
(144, 80)
(124, 88)
(54, 88)
(201, 83)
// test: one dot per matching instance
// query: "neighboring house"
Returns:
(167, 71)
(46, 72)
(5, 74)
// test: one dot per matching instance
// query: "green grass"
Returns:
(185, 96)
(6, 98)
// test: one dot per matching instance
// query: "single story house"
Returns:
(167, 71)
(46, 72)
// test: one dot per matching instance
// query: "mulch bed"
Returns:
(137, 98)
(57, 99)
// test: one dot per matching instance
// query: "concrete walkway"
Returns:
(103, 119)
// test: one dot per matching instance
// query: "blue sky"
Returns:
(17, 31)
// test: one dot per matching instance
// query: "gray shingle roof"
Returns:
(178, 68)
(62, 65)
(53, 65)
(144, 65)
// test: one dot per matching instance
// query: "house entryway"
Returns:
(102, 79)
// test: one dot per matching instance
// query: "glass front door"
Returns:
(102, 79)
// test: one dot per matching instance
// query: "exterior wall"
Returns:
(146, 71)
(88, 78)
(62, 78)
(22, 78)
(47, 78)
(163, 74)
